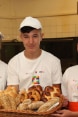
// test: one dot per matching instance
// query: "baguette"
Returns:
(47, 105)
(35, 105)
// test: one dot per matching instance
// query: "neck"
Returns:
(32, 55)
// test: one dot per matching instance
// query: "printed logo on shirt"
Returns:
(41, 71)
(35, 80)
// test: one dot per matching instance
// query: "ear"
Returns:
(42, 35)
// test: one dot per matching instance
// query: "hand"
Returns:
(65, 113)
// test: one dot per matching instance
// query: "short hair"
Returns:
(26, 29)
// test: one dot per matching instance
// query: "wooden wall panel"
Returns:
(36, 8)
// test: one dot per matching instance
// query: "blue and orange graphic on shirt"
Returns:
(35, 80)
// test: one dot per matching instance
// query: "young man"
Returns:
(33, 66)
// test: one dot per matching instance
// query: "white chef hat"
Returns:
(31, 22)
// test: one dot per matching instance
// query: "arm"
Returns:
(13, 79)
(57, 75)
(16, 87)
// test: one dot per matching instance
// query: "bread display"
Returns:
(35, 99)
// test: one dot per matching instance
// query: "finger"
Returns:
(59, 112)
(55, 115)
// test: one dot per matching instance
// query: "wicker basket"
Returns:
(25, 113)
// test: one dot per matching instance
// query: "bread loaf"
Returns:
(47, 105)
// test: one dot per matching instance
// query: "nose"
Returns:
(31, 40)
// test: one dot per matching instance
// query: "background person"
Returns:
(70, 90)
(3, 69)
(33, 65)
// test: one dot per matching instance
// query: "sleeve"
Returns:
(12, 74)
(57, 73)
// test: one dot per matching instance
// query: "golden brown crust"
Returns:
(10, 90)
(23, 95)
(50, 92)
(35, 105)
(5, 102)
(48, 105)
(24, 104)
(37, 87)
(35, 92)
(34, 95)
(12, 102)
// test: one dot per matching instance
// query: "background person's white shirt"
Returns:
(3, 75)
(45, 70)
(70, 84)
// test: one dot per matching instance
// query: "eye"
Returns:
(35, 36)
(25, 36)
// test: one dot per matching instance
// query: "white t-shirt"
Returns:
(3, 75)
(70, 84)
(45, 70)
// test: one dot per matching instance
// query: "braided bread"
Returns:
(34, 95)
(35, 92)
(37, 87)
(50, 92)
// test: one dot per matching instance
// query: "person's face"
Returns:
(32, 40)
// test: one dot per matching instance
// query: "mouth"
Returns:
(31, 47)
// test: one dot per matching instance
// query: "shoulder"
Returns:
(72, 69)
(50, 56)
(16, 57)
(3, 63)
(71, 72)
